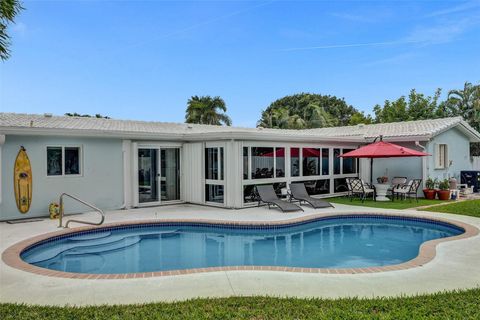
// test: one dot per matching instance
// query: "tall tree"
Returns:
(392, 111)
(315, 111)
(417, 107)
(466, 102)
(360, 118)
(207, 110)
(9, 9)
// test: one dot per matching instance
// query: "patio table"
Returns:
(381, 190)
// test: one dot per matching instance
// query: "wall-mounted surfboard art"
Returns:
(22, 181)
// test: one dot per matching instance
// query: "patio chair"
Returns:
(361, 189)
(349, 187)
(397, 182)
(409, 190)
(267, 195)
(299, 192)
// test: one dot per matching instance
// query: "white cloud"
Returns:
(441, 33)
(460, 8)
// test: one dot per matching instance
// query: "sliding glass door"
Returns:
(158, 175)
(148, 176)
(170, 174)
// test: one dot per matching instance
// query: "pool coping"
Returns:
(427, 250)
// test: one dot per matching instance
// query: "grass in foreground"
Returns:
(397, 204)
(446, 305)
(466, 208)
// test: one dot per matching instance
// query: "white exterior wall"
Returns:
(192, 168)
(99, 183)
(233, 174)
(458, 153)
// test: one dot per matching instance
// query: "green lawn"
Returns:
(466, 208)
(397, 204)
(447, 305)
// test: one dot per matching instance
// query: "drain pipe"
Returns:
(424, 163)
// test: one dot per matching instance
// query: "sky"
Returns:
(144, 59)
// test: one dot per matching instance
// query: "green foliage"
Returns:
(466, 103)
(430, 183)
(466, 208)
(417, 107)
(360, 118)
(443, 305)
(74, 114)
(207, 110)
(306, 110)
(444, 184)
(9, 9)
(397, 204)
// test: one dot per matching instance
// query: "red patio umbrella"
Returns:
(382, 149)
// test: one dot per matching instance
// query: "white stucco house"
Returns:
(123, 164)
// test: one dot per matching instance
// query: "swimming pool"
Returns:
(348, 241)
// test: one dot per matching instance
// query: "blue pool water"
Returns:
(336, 242)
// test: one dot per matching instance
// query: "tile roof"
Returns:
(85, 126)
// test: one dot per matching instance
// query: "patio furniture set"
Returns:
(399, 188)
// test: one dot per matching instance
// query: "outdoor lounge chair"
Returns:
(409, 190)
(361, 189)
(267, 195)
(299, 192)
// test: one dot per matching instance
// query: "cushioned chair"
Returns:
(361, 189)
(410, 190)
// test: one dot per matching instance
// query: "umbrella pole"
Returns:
(371, 171)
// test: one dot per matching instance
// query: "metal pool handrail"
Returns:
(60, 219)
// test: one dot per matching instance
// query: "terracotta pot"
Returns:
(443, 194)
(429, 193)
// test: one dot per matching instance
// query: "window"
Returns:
(295, 162)
(214, 163)
(315, 187)
(340, 185)
(325, 161)
(336, 161)
(214, 175)
(245, 163)
(349, 164)
(441, 156)
(262, 162)
(311, 161)
(249, 191)
(63, 161)
(279, 162)
(214, 193)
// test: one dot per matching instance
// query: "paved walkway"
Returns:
(456, 266)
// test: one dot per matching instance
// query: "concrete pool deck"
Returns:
(454, 267)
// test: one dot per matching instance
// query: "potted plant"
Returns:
(382, 179)
(429, 192)
(444, 190)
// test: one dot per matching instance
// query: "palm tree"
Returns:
(207, 110)
(466, 103)
(316, 117)
(8, 10)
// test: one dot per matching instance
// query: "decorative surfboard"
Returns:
(22, 181)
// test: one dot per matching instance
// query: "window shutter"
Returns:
(446, 161)
(437, 155)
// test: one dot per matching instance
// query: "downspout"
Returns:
(424, 162)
